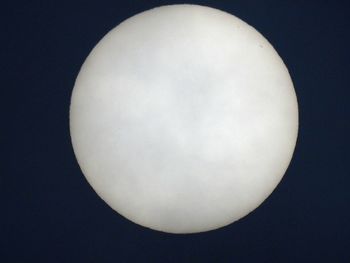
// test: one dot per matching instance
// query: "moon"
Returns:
(183, 119)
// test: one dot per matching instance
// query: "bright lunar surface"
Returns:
(183, 118)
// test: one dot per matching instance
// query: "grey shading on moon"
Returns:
(183, 119)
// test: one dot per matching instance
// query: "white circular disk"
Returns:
(183, 118)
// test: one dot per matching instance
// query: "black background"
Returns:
(49, 213)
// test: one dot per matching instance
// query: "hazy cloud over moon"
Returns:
(183, 118)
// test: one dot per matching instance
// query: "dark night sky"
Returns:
(49, 213)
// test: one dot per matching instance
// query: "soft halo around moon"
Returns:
(183, 118)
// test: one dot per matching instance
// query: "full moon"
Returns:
(183, 118)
